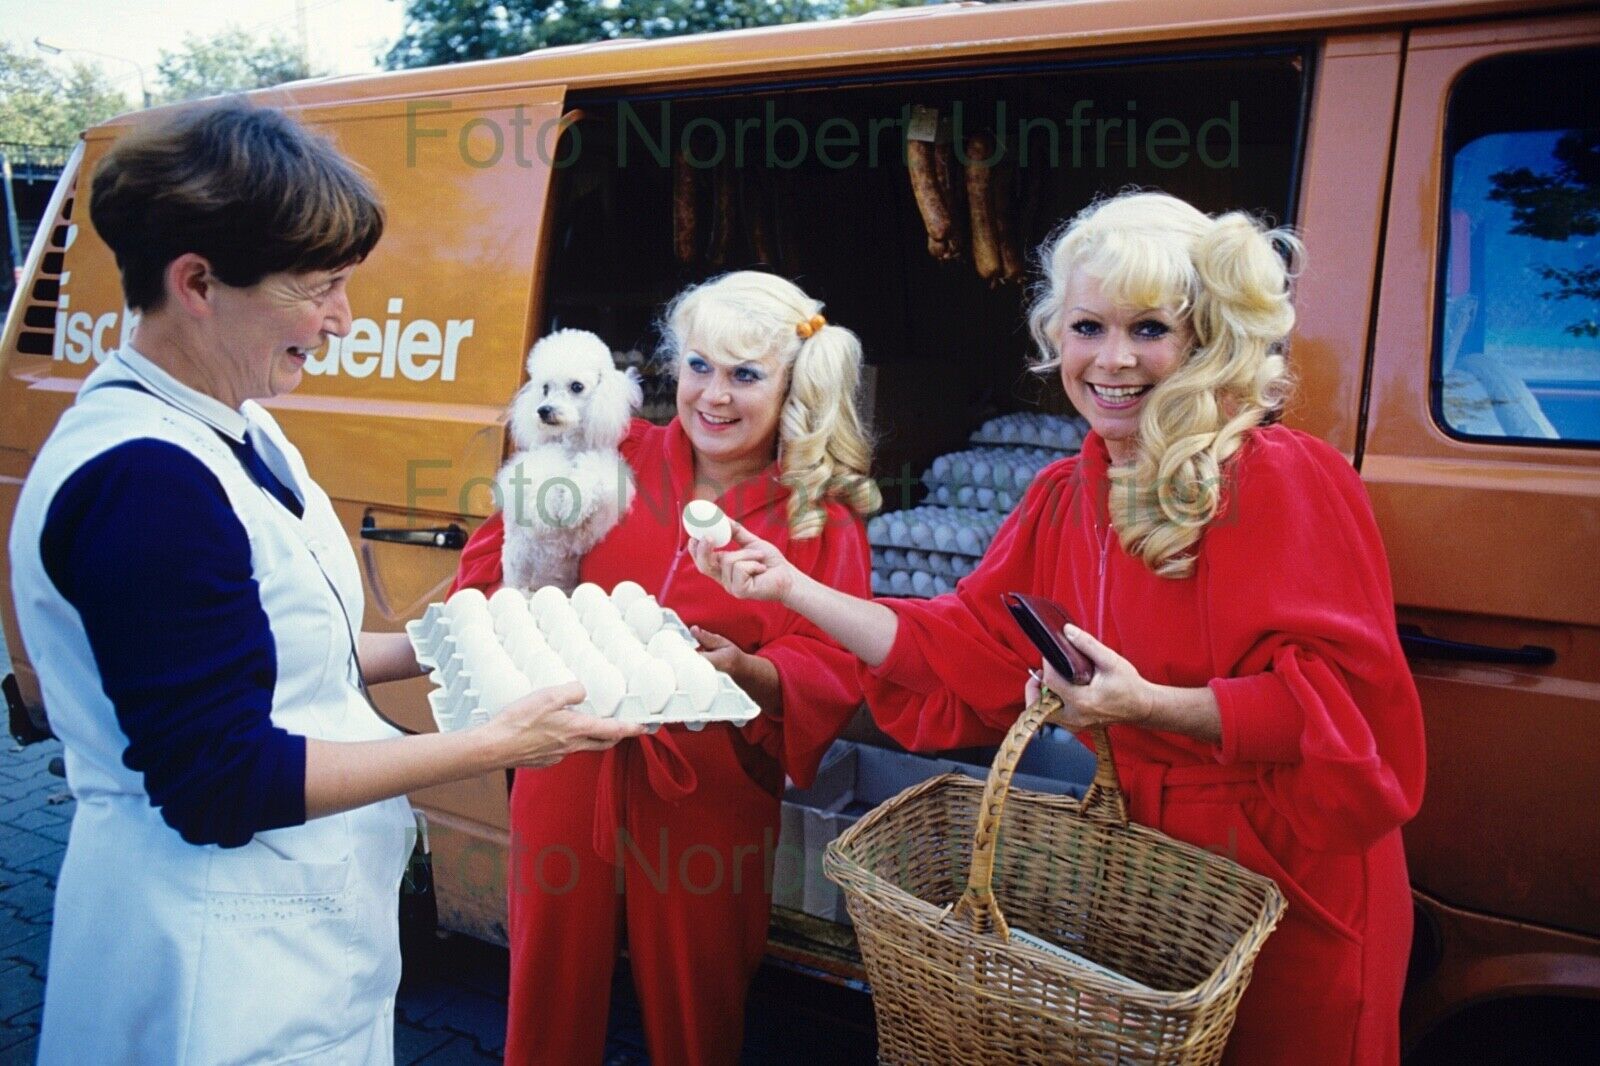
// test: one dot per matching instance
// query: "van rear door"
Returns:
(1482, 456)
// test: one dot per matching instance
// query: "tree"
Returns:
(452, 31)
(231, 61)
(1560, 206)
(41, 105)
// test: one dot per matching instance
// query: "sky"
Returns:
(343, 36)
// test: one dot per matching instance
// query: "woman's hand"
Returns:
(1116, 693)
(539, 729)
(757, 676)
(754, 570)
(722, 653)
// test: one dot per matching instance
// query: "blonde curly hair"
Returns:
(824, 451)
(1228, 279)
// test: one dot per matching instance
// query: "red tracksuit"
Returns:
(669, 837)
(1289, 617)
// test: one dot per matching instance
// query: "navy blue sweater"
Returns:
(143, 542)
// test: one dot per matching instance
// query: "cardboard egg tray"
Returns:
(456, 705)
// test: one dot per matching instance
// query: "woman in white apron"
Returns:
(194, 609)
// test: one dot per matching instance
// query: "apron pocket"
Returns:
(274, 972)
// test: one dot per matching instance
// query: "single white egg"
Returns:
(557, 617)
(644, 617)
(652, 681)
(543, 599)
(465, 605)
(696, 679)
(506, 599)
(502, 686)
(625, 593)
(665, 642)
(586, 596)
(604, 686)
(513, 620)
(704, 520)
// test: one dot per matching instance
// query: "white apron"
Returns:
(285, 949)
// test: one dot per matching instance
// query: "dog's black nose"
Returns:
(547, 415)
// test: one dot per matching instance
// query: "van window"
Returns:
(1518, 353)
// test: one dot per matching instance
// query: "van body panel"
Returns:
(1341, 221)
(938, 36)
(1491, 544)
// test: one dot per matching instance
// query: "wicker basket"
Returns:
(952, 985)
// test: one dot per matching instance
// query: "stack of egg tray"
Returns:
(455, 703)
(924, 551)
(1060, 433)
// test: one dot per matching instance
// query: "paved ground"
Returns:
(450, 1010)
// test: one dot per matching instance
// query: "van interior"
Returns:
(948, 349)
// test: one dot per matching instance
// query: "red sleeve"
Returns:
(479, 567)
(1301, 610)
(817, 677)
(956, 673)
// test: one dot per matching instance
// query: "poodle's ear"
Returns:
(524, 417)
(616, 397)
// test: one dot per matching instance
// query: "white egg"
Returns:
(625, 593)
(465, 605)
(593, 614)
(644, 617)
(652, 681)
(474, 642)
(704, 520)
(697, 679)
(543, 599)
(557, 617)
(502, 686)
(604, 687)
(586, 596)
(506, 599)
(513, 619)
(665, 642)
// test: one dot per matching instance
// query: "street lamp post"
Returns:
(55, 50)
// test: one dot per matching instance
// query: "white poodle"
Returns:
(566, 486)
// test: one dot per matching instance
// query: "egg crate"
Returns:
(456, 702)
(952, 530)
(914, 560)
(999, 501)
(1058, 433)
(910, 585)
(1001, 469)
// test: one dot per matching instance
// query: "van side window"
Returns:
(1518, 337)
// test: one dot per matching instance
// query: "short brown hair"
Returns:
(248, 188)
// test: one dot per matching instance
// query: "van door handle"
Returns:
(451, 537)
(1417, 643)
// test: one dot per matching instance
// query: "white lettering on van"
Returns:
(418, 350)
(360, 348)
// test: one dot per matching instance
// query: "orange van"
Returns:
(1440, 158)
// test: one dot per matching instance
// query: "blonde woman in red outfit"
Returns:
(1231, 590)
(669, 841)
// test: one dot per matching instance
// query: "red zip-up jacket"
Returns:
(1289, 618)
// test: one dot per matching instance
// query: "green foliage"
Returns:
(452, 31)
(229, 62)
(41, 105)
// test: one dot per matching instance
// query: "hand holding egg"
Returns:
(753, 570)
(704, 521)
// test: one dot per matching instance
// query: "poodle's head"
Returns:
(575, 394)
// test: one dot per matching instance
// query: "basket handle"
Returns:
(1103, 802)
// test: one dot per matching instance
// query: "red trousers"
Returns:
(686, 881)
